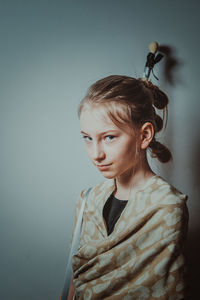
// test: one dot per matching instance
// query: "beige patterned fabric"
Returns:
(143, 257)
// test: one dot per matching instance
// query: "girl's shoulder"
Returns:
(102, 187)
(159, 189)
(97, 193)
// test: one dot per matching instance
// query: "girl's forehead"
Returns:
(97, 119)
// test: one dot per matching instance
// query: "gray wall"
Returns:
(50, 52)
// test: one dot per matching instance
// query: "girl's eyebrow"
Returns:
(111, 130)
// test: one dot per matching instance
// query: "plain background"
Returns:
(50, 52)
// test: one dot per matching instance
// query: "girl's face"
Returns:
(111, 149)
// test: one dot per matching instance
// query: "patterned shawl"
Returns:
(143, 257)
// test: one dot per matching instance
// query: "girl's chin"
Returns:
(108, 175)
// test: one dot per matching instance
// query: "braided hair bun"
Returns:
(158, 123)
(159, 101)
(160, 151)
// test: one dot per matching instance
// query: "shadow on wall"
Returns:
(193, 242)
(171, 64)
(193, 250)
(171, 76)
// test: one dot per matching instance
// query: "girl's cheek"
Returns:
(89, 152)
(88, 149)
(113, 154)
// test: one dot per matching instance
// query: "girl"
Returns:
(134, 222)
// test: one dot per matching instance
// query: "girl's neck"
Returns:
(132, 181)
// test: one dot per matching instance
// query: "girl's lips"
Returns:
(103, 167)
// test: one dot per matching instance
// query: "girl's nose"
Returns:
(98, 153)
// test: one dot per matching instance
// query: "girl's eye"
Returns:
(109, 137)
(86, 138)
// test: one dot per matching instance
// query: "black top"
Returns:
(112, 211)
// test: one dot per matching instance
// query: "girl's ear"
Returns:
(146, 135)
